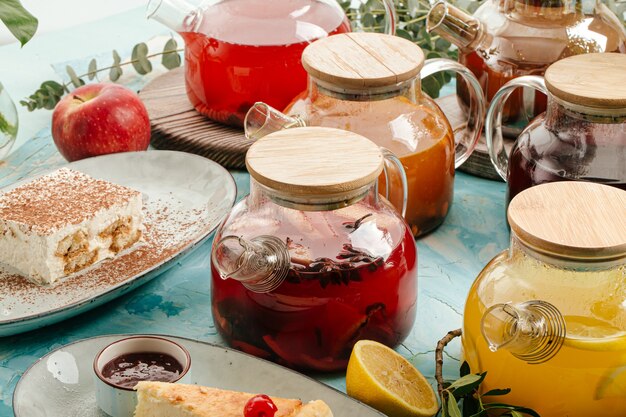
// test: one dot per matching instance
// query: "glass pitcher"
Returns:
(238, 52)
(370, 84)
(505, 39)
(546, 317)
(581, 136)
(313, 259)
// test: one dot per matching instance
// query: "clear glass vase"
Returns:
(8, 123)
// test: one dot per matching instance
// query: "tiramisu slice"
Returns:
(65, 221)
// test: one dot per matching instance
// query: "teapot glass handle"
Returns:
(390, 17)
(466, 140)
(391, 160)
(493, 121)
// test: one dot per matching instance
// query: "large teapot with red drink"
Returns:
(238, 52)
(314, 258)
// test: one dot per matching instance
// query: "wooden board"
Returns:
(176, 125)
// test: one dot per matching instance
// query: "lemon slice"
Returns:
(612, 385)
(383, 379)
(588, 333)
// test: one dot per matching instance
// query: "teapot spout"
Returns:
(532, 331)
(455, 26)
(261, 264)
(262, 119)
(177, 15)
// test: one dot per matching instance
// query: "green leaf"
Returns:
(453, 407)
(116, 58)
(170, 58)
(368, 20)
(470, 379)
(495, 392)
(77, 82)
(115, 73)
(444, 409)
(93, 69)
(442, 45)
(53, 85)
(502, 406)
(404, 34)
(139, 59)
(467, 384)
(431, 86)
(18, 20)
(116, 70)
(516, 414)
(465, 369)
(6, 127)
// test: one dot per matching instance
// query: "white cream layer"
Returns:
(34, 256)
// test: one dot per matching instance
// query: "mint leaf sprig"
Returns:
(50, 92)
(462, 397)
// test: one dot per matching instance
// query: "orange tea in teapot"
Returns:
(246, 51)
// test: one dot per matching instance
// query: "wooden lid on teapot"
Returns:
(363, 60)
(315, 163)
(592, 80)
(575, 220)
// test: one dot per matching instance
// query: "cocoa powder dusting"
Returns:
(76, 197)
(167, 232)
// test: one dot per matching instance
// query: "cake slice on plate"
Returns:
(163, 399)
(65, 221)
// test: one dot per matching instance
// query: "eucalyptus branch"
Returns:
(50, 92)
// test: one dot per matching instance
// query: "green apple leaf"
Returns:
(18, 20)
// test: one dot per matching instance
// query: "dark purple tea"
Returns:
(567, 150)
(127, 370)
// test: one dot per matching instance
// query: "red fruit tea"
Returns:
(246, 51)
(343, 285)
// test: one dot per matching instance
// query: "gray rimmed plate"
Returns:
(185, 197)
(61, 383)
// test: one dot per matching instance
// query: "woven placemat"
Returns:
(176, 125)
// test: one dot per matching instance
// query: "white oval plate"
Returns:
(61, 383)
(185, 197)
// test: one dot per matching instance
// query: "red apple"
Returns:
(98, 119)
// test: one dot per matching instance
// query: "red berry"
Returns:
(260, 406)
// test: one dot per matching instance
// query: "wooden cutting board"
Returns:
(176, 125)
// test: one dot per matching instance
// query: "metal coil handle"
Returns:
(532, 331)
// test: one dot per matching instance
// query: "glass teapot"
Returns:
(313, 259)
(505, 39)
(547, 317)
(370, 84)
(581, 136)
(238, 52)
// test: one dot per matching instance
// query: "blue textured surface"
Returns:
(178, 301)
